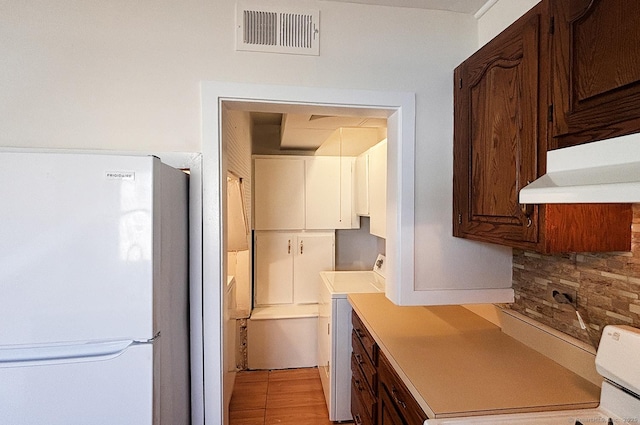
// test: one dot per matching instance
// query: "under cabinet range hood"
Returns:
(607, 171)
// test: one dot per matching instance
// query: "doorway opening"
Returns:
(398, 109)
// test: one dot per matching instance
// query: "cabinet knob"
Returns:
(527, 211)
(394, 394)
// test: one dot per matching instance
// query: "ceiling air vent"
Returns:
(261, 28)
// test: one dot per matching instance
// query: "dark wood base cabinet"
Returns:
(396, 404)
(364, 374)
(378, 395)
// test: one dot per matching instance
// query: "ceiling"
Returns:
(323, 129)
(321, 133)
(461, 6)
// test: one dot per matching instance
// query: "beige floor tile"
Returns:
(306, 398)
(252, 376)
(292, 374)
(247, 417)
(308, 415)
(249, 395)
(294, 386)
(291, 396)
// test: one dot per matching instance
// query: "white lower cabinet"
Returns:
(288, 265)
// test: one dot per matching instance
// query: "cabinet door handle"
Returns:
(301, 246)
(527, 211)
(394, 394)
(289, 247)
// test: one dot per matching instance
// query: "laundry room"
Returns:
(305, 194)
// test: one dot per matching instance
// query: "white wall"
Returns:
(500, 16)
(125, 75)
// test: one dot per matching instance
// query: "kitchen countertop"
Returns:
(456, 363)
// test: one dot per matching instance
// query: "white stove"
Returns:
(618, 361)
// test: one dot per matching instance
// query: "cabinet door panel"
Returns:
(596, 71)
(497, 135)
(378, 190)
(328, 193)
(274, 267)
(387, 413)
(398, 395)
(361, 185)
(279, 194)
(496, 141)
(313, 253)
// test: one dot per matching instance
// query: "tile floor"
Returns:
(292, 396)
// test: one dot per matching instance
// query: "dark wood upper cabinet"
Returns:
(596, 70)
(498, 99)
(502, 132)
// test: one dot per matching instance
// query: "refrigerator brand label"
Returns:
(120, 175)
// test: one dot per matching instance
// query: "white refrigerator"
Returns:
(93, 290)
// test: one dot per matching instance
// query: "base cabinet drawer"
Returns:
(360, 357)
(364, 375)
(365, 338)
(363, 412)
(364, 391)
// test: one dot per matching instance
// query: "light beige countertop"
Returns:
(456, 363)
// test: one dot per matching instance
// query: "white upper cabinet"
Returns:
(298, 193)
(328, 195)
(378, 189)
(279, 193)
(361, 184)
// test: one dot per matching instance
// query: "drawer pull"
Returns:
(358, 384)
(359, 332)
(357, 419)
(358, 358)
(394, 394)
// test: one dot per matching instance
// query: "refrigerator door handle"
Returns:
(15, 356)
(146, 341)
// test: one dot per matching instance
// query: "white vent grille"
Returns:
(262, 29)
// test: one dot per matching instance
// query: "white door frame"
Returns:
(400, 109)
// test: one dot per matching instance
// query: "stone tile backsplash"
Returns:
(606, 287)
